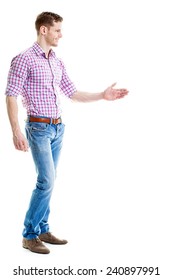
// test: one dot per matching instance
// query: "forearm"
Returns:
(109, 93)
(19, 139)
(12, 110)
(81, 96)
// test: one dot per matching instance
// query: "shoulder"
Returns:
(22, 57)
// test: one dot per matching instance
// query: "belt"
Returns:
(45, 120)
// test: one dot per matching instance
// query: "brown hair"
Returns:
(47, 19)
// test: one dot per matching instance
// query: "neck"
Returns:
(44, 46)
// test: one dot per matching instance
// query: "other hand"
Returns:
(20, 142)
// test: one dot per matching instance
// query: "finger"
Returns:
(113, 85)
(25, 147)
(121, 95)
(123, 89)
(16, 144)
(22, 146)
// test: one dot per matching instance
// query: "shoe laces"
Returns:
(37, 240)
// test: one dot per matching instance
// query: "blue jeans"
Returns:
(45, 141)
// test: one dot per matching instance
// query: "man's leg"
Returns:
(56, 145)
(40, 136)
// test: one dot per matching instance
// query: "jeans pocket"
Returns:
(38, 135)
(34, 126)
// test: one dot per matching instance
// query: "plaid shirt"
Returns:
(40, 81)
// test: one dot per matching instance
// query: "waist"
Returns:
(44, 120)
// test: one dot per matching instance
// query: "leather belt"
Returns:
(45, 120)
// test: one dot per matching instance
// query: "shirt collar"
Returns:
(39, 51)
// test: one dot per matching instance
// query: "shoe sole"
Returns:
(25, 247)
(54, 243)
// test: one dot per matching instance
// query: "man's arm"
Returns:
(110, 94)
(19, 139)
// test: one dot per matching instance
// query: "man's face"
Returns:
(53, 34)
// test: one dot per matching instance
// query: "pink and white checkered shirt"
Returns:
(39, 81)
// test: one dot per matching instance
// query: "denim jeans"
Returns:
(45, 141)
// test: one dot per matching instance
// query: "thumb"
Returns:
(113, 85)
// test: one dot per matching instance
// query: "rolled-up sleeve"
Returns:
(66, 85)
(17, 76)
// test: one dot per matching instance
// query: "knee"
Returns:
(46, 183)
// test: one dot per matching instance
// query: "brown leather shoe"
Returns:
(50, 238)
(35, 245)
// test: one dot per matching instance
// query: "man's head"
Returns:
(46, 19)
(48, 27)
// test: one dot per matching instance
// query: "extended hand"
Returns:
(112, 93)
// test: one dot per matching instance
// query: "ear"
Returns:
(43, 29)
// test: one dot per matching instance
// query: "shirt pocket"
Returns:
(38, 74)
(57, 73)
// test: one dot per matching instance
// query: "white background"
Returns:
(113, 196)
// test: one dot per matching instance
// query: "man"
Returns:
(39, 76)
